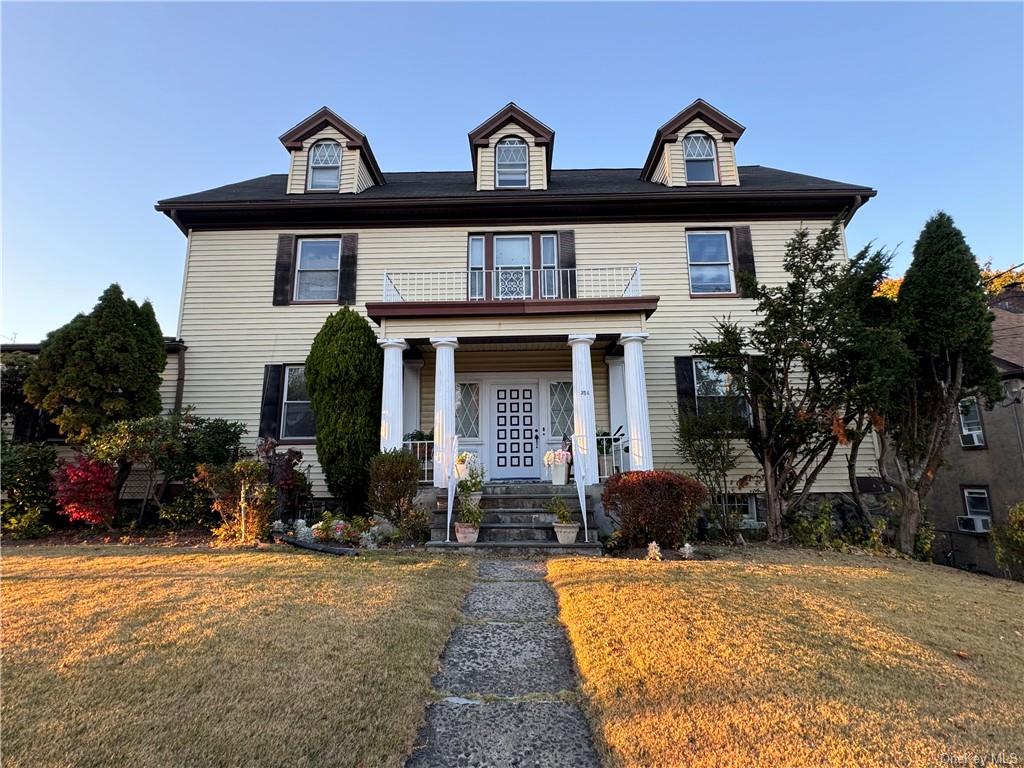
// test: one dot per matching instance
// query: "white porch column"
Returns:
(584, 420)
(392, 395)
(617, 403)
(444, 405)
(637, 417)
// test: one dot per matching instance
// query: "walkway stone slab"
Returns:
(505, 734)
(511, 601)
(506, 659)
(513, 570)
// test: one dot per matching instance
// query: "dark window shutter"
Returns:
(743, 251)
(567, 261)
(347, 278)
(686, 387)
(284, 271)
(273, 394)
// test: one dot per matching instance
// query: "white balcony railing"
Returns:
(513, 284)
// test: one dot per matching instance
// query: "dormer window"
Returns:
(511, 163)
(325, 166)
(699, 152)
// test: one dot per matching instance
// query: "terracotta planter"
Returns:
(566, 532)
(559, 474)
(466, 534)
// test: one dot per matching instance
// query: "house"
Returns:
(516, 303)
(983, 474)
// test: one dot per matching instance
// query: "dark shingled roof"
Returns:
(590, 181)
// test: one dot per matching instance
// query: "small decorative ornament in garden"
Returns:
(654, 552)
(558, 463)
(687, 551)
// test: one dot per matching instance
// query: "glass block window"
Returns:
(297, 419)
(511, 163)
(561, 422)
(324, 165)
(971, 433)
(699, 153)
(316, 270)
(467, 410)
(976, 502)
(710, 261)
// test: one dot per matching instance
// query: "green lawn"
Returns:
(167, 657)
(784, 657)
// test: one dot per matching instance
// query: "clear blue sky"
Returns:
(107, 108)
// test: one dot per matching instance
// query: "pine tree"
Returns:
(101, 367)
(946, 325)
(344, 377)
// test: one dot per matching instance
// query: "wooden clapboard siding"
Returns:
(675, 173)
(232, 329)
(485, 172)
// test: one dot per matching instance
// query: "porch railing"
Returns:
(513, 284)
(612, 456)
(424, 451)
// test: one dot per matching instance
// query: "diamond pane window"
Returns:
(467, 410)
(561, 409)
(699, 152)
(324, 165)
(511, 160)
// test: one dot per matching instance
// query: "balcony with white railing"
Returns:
(514, 284)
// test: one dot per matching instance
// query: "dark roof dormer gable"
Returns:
(696, 146)
(328, 154)
(512, 150)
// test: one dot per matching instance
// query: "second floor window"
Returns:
(699, 153)
(710, 258)
(511, 163)
(971, 433)
(297, 419)
(325, 165)
(316, 271)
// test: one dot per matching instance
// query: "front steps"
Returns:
(516, 519)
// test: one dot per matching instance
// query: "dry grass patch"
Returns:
(219, 658)
(782, 657)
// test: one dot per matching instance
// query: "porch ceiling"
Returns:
(512, 344)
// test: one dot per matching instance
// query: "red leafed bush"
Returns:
(85, 491)
(653, 505)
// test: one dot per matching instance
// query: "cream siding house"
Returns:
(517, 305)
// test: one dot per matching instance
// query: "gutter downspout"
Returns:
(179, 387)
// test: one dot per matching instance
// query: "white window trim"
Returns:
(547, 270)
(284, 407)
(729, 255)
(310, 167)
(298, 267)
(497, 170)
(528, 269)
(977, 491)
(472, 269)
(977, 435)
(714, 157)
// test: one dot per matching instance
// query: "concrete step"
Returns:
(526, 517)
(544, 549)
(516, 533)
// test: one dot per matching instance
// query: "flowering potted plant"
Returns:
(471, 477)
(565, 528)
(558, 463)
(470, 516)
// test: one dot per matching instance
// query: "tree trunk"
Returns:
(863, 516)
(910, 518)
(124, 469)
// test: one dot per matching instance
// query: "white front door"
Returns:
(515, 427)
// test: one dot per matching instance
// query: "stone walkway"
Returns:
(507, 686)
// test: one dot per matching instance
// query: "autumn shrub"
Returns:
(28, 488)
(653, 505)
(242, 496)
(394, 483)
(415, 524)
(85, 491)
(1009, 541)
